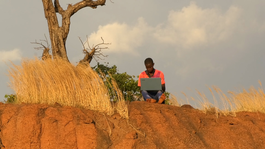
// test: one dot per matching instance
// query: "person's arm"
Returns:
(163, 87)
(139, 83)
(163, 82)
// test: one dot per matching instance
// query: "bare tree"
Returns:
(46, 49)
(58, 34)
(94, 52)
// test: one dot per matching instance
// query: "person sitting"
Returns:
(151, 72)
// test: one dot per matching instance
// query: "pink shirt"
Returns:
(157, 74)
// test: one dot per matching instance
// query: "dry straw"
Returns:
(58, 81)
(174, 101)
(252, 100)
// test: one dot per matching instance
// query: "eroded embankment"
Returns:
(150, 126)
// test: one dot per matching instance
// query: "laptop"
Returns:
(151, 84)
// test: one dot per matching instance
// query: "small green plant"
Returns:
(167, 98)
(10, 98)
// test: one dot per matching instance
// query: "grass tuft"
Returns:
(52, 81)
(252, 100)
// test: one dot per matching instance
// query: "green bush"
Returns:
(10, 98)
(128, 84)
(167, 98)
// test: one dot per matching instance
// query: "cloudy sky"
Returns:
(196, 43)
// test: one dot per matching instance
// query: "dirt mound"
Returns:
(150, 126)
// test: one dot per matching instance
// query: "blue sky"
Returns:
(196, 43)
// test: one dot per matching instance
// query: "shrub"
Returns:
(10, 98)
(125, 82)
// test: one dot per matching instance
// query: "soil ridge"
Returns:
(153, 126)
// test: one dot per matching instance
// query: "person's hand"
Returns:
(162, 98)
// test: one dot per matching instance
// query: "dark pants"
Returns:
(152, 94)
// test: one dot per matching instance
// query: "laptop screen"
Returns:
(151, 84)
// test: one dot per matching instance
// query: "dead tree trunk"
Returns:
(94, 52)
(45, 55)
(58, 34)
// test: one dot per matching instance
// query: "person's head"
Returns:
(149, 64)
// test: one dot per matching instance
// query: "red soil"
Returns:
(150, 126)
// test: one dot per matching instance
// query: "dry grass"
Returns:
(58, 81)
(174, 101)
(121, 105)
(252, 100)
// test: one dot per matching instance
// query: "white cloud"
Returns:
(13, 55)
(187, 28)
(123, 37)
(193, 26)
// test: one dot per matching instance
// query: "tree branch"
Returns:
(72, 9)
(39, 43)
(58, 7)
(46, 49)
(82, 43)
